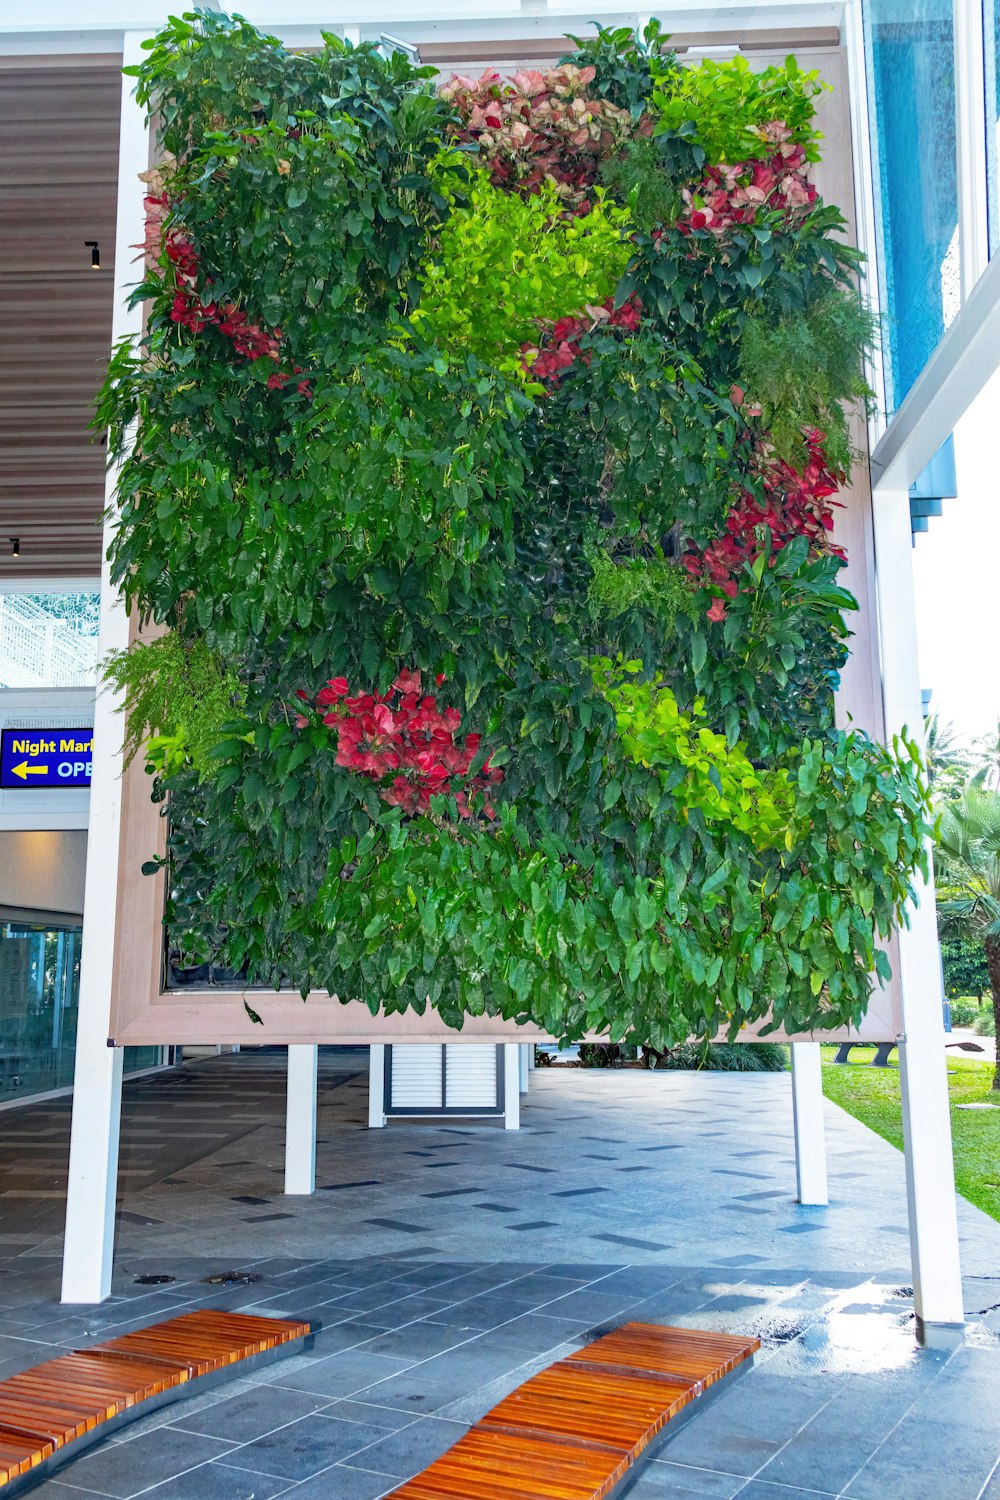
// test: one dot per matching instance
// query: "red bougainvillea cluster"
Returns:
(735, 194)
(795, 503)
(404, 741)
(538, 127)
(560, 348)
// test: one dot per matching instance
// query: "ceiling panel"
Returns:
(58, 168)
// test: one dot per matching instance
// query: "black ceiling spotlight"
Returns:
(95, 254)
(15, 546)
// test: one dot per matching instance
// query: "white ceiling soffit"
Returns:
(59, 24)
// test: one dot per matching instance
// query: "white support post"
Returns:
(300, 1119)
(511, 1086)
(970, 143)
(930, 1175)
(807, 1114)
(524, 1065)
(376, 1086)
(88, 1249)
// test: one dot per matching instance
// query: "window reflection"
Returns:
(911, 80)
(39, 997)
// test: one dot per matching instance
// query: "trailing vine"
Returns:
(489, 434)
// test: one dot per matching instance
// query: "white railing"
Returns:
(39, 650)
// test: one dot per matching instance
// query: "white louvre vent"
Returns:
(470, 1075)
(416, 1078)
(455, 1078)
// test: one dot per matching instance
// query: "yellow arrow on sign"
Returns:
(24, 770)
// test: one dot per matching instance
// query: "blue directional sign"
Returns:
(40, 759)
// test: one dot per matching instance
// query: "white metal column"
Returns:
(511, 1086)
(524, 1051)
(300, 1119)
(930, 1176)
(807, 1114)
(88, 1249)
(376, 1086)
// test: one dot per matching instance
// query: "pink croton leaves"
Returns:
(404, 741)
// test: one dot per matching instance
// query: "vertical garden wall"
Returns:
(487, 436)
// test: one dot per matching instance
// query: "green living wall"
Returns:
(486, 439)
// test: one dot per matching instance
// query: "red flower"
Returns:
(717, 611)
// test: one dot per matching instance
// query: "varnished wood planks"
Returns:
(573, 1431)
(687, 1352)
(44, 1409)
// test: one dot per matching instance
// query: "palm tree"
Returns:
(969, 877)
(949, 764)
(987, 753)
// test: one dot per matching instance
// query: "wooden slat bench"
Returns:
(574, 1431)
(50, 1413)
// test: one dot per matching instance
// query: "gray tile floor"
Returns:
(447, 1263)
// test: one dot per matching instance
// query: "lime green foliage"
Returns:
(506, 264)
(728, 1057)
(654, 583)
(729, 106)
(178, 696)
(799, 368)
(871, 1095)
(718, 779)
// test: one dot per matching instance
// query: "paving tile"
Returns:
(215, 1481)
(344, 1482)
(302, 1448)
(251, 1414)
(341, 1374)
(417, 1340)
(412, 1448)
(759, 1489)
(668, 1481)
(124, 1469)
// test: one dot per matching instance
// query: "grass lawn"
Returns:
(871, 1095)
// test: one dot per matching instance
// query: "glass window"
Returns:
(991, 39)
(48, 640)
(911, 81)
(39, 996)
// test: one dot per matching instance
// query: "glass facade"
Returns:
(48, 640)
(991, 51)
(911, 80)
(39, 994)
